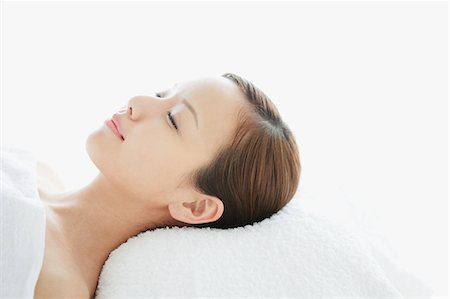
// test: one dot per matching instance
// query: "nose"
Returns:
(138, 106)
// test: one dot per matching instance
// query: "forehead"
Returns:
(217, 101)
(213, 89)
(219, 98)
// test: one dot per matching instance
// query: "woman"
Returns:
(209, 152)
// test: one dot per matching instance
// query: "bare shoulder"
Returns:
(47, 179)
(57, 285)
(59, 276)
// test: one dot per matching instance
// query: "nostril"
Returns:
(131, 111)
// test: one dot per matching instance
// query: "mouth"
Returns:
(115, 119)
(113, 127)
(117, 128)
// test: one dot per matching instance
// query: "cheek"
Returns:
(150, 164)
(146, 151)
(145, 143)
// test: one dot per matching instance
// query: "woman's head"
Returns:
(258, 171)
(227, 160)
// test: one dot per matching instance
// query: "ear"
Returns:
(201, 208)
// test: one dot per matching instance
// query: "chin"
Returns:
(97, 147)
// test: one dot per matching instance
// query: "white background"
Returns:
(363, 85)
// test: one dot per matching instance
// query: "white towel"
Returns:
(294, 253)
(23, 224)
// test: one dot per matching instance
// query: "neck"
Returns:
(92, 222)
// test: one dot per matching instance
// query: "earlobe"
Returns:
(206, 209)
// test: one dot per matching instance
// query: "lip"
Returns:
(111, 124)
(116, 122)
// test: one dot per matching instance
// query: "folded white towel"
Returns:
(291, 254)
(23, 224)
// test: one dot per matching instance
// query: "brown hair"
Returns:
(258, 172)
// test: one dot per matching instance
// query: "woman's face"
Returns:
(152, 160)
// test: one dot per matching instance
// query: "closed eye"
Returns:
(169, 115)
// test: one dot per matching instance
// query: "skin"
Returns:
(140, 181)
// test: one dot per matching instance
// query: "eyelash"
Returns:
(172, 120)
(169, 114)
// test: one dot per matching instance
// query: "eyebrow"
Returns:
(189, 106)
